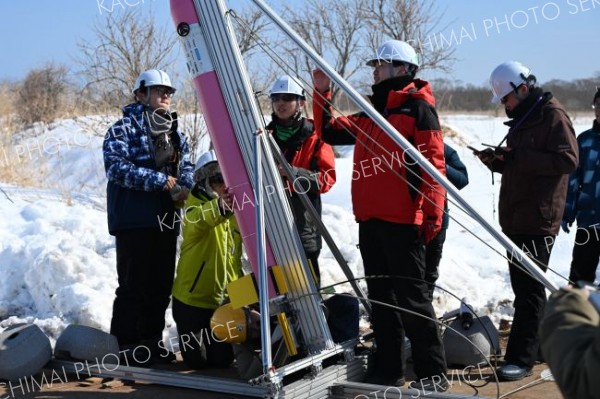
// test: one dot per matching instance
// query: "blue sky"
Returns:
(557, 39)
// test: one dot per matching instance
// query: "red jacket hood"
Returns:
(417, 89)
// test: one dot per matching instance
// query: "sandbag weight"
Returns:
(86, 343)
(24, 350)
(482, 334)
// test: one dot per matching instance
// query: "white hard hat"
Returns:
(395, 50)
(207, 167)
(205, 159)
(287, 85)
(152, 77)
(507, 77)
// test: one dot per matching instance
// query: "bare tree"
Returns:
(333, 28)
(190, 118)
(251, 28)
(346, 32)
(9, 90)
(125, 44)
(413, 21)
(252, 24)
(42, 94)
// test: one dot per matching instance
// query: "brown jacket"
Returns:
(536, 172)
(570, 340)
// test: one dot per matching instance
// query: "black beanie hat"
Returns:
(597, 95)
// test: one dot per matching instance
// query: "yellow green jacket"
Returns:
(210, 255)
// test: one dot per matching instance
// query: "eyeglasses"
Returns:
(216, 179)
(162, 90)
(287, 97)
(213, 171)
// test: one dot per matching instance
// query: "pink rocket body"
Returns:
(221, 131)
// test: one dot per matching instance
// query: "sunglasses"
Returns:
(283, 97)
(162, 90)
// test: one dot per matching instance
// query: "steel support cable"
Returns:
(292, 274)
(282, 64)
(473, 234)
(279, 61)
(531, 384)
(382, 276)
(437, 322)
(401, 140)
(321, 227)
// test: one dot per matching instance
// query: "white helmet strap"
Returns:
(527, 80)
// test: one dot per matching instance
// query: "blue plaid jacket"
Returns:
(135, 191)
(583, 197)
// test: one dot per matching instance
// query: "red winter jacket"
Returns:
(379, 179)
(307, 151)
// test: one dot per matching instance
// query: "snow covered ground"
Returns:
(57, 260)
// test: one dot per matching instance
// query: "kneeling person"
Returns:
(210, 259)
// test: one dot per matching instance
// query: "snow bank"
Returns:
(58, 261)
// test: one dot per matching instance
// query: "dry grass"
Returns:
(16, 166)
(13, 166)
(15, 169)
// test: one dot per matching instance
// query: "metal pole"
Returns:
(322, 229)
(365, 106)
(263, 291)
(232, 115)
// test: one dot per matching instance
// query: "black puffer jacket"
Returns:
(314, 168)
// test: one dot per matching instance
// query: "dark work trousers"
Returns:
(198, 346)
(586, 254)
(433, 255)
(394, 251)
(530, 299)
(145, 268)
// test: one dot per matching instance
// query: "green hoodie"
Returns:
(210, 253)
